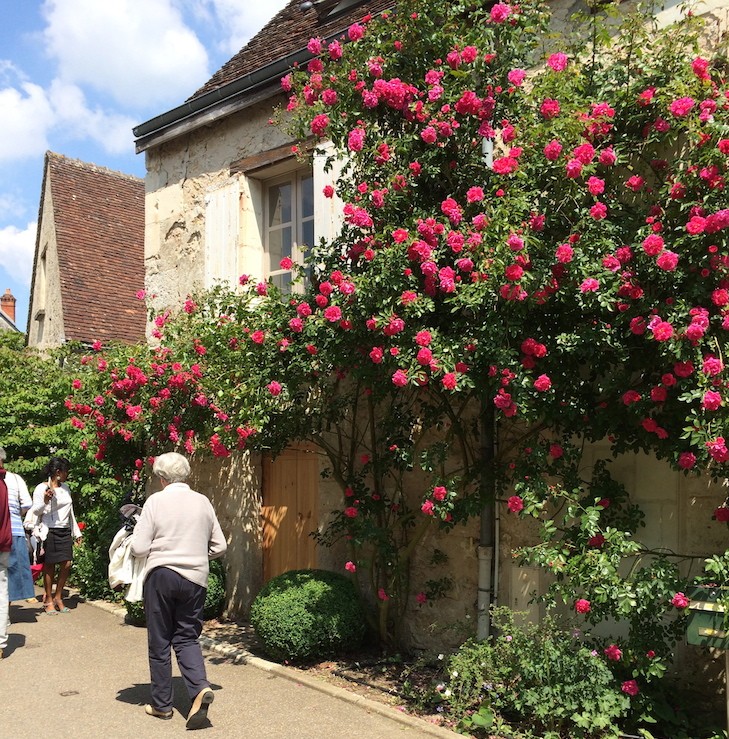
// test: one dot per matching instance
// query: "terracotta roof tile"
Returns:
(99, 221)
(287, 32)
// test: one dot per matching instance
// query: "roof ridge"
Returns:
(90, 166)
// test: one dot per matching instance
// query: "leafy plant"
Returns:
(539, 677)
(305, 614)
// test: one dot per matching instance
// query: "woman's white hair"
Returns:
(172, 467)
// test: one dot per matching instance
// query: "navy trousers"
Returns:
(173, 607)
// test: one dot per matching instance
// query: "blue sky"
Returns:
(77, 75)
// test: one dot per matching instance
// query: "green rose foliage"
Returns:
(533, 242)
(34, 425)
(541, 678)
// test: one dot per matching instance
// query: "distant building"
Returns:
(7, 312)
(89, 256)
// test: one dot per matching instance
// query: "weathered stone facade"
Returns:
(182, 176)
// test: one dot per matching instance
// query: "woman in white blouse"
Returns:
(52, 501)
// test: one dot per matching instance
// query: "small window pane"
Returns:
(307, 233)
(283, 282)
(279, 204)
(307, 197)
(279, 246)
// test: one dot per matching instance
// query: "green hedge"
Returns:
(307, 614)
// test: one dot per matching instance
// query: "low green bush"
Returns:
(214, 598)
(538, 678)
(307, 614)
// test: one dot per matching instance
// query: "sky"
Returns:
(77, 75)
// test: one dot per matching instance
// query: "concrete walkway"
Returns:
(85, 674)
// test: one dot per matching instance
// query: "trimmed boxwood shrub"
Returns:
(214, 599)
(308, 614)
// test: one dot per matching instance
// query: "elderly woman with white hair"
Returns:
(178, 532)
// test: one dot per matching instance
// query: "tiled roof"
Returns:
(99, 222)
(287, 32)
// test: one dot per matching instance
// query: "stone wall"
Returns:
(46, 308)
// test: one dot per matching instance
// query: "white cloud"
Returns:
(10, 205)
(26, 117)
(17, 247)
(243, 19)
(113, 132)
(140, 54)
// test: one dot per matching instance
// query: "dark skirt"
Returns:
(59, 546)
(20, 581)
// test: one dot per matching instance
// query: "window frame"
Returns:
(296, 178)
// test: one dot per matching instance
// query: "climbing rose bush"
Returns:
(530, 241)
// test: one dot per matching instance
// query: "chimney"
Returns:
(7, 304)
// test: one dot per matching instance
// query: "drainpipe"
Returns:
(488, 552)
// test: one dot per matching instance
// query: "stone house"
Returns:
(225, 196)
(89, 256)
(7, 312)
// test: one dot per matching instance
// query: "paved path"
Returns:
(84, 674)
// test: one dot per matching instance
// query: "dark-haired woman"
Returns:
(53, 505)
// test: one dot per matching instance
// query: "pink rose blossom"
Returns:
(682, 107)
(680, 601)
(542, 383)
(515, 504)
(558, 62)
(582, 606)
(355, 32)
(350, 567)
(596, 185)
(599, 211)
(516, 77)
(607, 157)
(686, 460)
(711, 401)
(549, 108)
(630, 687)
(721, 514)
(400, 378)
(552, 150)
(500, 12)
(564, 253)
(667, 260)
(319, 124)
(662, 331)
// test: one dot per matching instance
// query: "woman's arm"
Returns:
(41, 497)
(142, 535)
(217, 544)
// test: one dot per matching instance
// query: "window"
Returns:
(289, 223)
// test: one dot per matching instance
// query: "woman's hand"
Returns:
(47, 495)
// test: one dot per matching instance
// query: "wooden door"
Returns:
(289, 511)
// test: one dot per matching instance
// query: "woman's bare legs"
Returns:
(48, 573)
(63, 570)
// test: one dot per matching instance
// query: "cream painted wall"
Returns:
(46, 307)
(233, 486)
